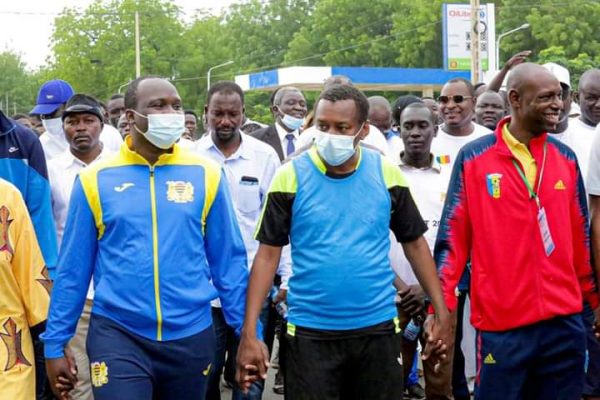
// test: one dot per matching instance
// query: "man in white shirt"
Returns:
(249, 166)
(457, 105)
(380, 115)
(82, 124)
(428, 182)
(289, 109)
(51, 100)
(589, 99)
(581, 131)
(574, 132)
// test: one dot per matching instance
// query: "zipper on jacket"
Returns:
(155, 256)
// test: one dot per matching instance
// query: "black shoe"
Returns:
(415, 392)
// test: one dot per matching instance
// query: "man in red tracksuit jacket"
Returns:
(516, 207)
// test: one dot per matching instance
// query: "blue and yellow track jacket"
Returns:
(22, 163)
(153, 237)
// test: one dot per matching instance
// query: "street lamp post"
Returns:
(503, 35)
(123, 85)
(215, 67)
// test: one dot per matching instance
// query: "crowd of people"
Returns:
(373, 240)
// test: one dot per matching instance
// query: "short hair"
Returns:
(347, 92)
(19, 116)
(191, 112)
(116, 96)
(466, 82)
(278, 96)
(419, 106)
(336, 80)
(131, 94)
(272, 97)
(401, 103)
(379, 102)
(224, 87)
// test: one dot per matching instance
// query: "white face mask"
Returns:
(336, 149)
(163, 129)
(54, 127)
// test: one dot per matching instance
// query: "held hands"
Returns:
(252, 362)
(62, 373)
(439, 334)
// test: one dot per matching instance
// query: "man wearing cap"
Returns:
(51, 100)
(153, 225)
(82, 124)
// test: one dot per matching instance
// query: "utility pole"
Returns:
(137, 45)
(475, 47)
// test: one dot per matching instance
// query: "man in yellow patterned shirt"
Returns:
(24, 295)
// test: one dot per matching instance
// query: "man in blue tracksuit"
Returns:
(153, 225)
(22, 163)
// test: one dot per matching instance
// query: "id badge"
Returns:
(545, 231)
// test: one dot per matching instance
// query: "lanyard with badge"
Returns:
(541, 216)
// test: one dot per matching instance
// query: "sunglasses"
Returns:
(456, 99)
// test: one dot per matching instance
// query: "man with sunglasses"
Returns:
(457, 108)
(516, 209)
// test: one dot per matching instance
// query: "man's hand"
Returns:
(412, 299)
(439, 334)
(517, 59)
(62, 373)
(281, 296)
(252, 362)
(597, 323)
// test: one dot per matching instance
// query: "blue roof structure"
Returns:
(365, 78)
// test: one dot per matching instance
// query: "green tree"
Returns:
(18, 87)
(95, 50)
(345, 32)
(569, 29)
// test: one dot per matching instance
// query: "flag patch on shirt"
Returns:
(180, 192)
(560, 185)
(443, 160)
(493, 185)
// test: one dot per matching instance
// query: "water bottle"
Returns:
(412, 330)
(280, 307)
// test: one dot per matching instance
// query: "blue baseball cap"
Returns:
(51, 95)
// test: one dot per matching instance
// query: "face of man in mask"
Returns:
(338, 130)
(53, 122)
(158, 116)
(291, 109)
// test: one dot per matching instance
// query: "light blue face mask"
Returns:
(163, 129)
(292, 123)
(336, 149)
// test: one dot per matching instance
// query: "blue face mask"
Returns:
(336, 149)
(163, 129)
(292, 123)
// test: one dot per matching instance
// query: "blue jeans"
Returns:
(227, 342)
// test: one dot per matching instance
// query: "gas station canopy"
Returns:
(426, 80)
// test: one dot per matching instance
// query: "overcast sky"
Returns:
(26, 25)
